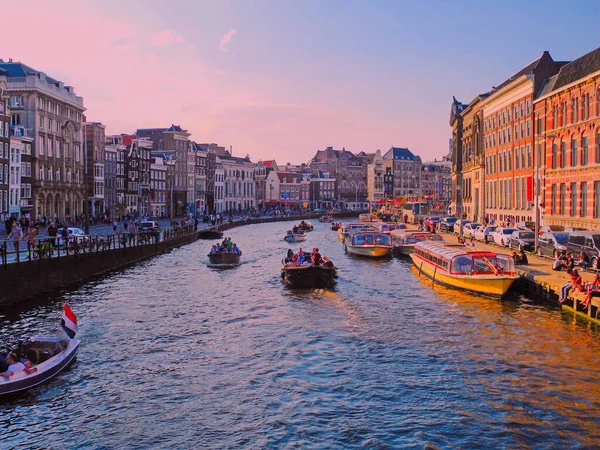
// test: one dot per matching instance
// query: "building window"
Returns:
(598, 147)
(538, 156)
(583, 211)
(528, 127)
(575, 105)
(563, 154)
(573, 199)
(597, 199)
(516, 158)
(517, 191)
(584, 151)
(563, 197)
(554, 155)
(540, 125)
(573, 152)
(555, 117)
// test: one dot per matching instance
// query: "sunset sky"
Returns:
(281, 79)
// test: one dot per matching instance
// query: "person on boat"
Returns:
(229, 245)
(316, 258)
(236, 250)
(576, 284)
(290, 255)
(327, 262)
(15, 366)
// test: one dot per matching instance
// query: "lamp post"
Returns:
(538, 191)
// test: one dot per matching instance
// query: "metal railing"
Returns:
(59, 247)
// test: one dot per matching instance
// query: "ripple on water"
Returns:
(178, 354)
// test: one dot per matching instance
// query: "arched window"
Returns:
(584, 150)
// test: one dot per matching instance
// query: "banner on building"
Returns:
(530, 188)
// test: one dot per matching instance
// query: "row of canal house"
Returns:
(529, 147)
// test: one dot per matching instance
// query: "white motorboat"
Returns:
(369, 244)
(294, 237)
(48, 356)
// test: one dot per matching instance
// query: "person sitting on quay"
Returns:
(592, 290)
(520, 258)
(461, 240)
(583, 260)
(569, 261)
(576, 284)
(559, 263)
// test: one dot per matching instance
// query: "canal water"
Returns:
(176, 354)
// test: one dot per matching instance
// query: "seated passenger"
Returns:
(327, 262)
(236, 250)
(15, 366)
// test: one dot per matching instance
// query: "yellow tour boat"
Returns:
(482, 272)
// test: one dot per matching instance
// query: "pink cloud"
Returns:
(165, 38)
(226, 39)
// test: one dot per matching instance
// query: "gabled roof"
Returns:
(401, 153)
(578, 69)
(175, 129)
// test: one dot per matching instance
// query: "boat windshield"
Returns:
(483, 264)
(371, 239)
(462, 264)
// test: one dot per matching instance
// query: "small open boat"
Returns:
(326, 219)
(46, 355)
(224, 258)
(335, 226)
(404, 241)
(307, 276)
(369, 244)
(304, 226)
(482, 272)
(294, 237)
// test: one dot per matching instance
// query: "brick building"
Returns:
(406, 169)
(94, 142)
(568, 140)
(4, 147)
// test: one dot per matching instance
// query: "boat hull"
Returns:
(369, 251)
(309, 276)
(46, 370)
(487, 285)
(403, 250)
(224, 258)
(294, 238)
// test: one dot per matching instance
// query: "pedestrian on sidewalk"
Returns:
(16, 234)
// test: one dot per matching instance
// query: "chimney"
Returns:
(231, 150)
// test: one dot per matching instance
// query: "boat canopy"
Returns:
(371, 239)
(458, 260)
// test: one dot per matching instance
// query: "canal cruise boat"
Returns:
(404, 241)
(481, 272)
(306, 275)
(369, 244)
(346, 230)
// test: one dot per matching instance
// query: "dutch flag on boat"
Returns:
(69, 322)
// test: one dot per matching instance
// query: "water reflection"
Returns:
(232, 358)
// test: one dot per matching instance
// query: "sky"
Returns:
(280, 79)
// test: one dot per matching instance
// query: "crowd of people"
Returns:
(302, 258)
(226, 247)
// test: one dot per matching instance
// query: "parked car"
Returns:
(469, 229)
(587, 242)
(571, 229)
(75, 234)
(150, 227)
(522, 240)
(458, 223)
(447, 224)
(479, 232)
(552, 244)
(526, 226)
(502, 235)
(551, 229)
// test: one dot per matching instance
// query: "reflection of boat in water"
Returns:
(369, 244)
(224, 258)
(404, 241)
(346, 230)
(294, 237)
(485, 273)
(307, 276)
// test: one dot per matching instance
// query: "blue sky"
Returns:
(296, 76)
